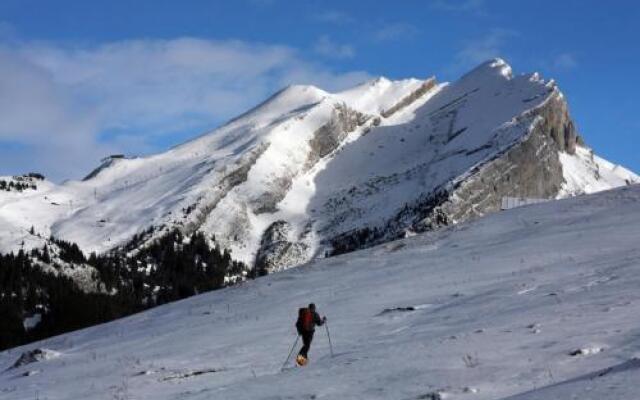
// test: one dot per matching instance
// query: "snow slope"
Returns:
(538, 302)
(304, 167)
(585, 172)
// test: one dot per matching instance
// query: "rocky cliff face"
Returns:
(531, 168)
(427, 86)
(330, 136)
(277, 250)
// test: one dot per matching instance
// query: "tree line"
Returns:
(19, 186)
(169, 268)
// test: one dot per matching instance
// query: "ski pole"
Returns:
(326, 325)
(291, 352)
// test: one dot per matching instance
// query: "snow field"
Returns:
(538, 302)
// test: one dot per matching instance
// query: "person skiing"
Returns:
(308, 318)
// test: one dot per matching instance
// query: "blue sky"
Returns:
(80, 80)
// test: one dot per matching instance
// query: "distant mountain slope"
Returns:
(539, 302)
(309, 173)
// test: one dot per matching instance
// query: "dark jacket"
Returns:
(316, 321)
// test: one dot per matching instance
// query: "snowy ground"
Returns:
(499, 307)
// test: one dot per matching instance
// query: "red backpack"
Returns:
(305, 319)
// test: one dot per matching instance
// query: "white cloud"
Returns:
(67, 106)
(396, 31)
(326, 47)
(38, 117)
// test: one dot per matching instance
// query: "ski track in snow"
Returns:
(538, 302)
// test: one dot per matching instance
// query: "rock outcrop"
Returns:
(277, 250)
(329, 136)
(531, 168)
(428, 85)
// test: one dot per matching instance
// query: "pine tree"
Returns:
(46, 258)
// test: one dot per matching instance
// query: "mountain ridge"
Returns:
(305, 170)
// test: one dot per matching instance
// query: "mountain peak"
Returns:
(493, 68)
(299, 89)
(293, 95)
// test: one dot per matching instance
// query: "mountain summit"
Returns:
(310, 173)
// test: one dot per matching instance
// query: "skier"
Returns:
(308, 318)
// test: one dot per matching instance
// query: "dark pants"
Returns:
(307, 337)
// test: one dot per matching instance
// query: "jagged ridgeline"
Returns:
(41, 297)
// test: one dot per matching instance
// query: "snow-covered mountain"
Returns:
(309, 173)
(529, 303)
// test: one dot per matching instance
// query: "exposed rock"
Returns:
(230, 180)
(35, 355)
(558, 123)
(426, 86)
(330, 135)
(239, 175)
(276, 250)
(267, 201)
(529, 168)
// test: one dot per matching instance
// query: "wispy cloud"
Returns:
(557, 62)
(69, 106)
(328, 48)
(395, 31)
(334, 17)
(483, 48)
(564, 61)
